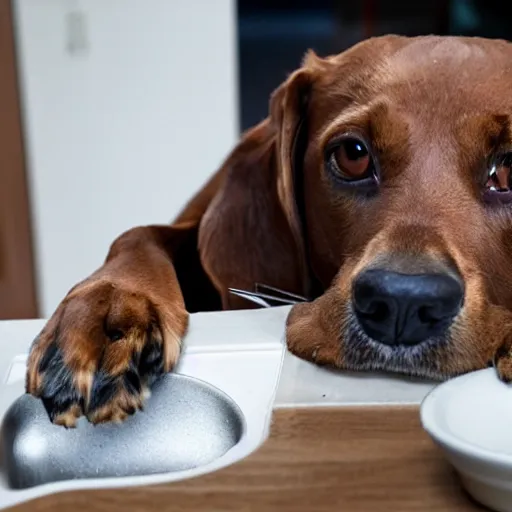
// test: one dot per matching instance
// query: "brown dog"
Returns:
(379, 187)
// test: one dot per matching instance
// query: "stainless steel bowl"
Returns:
(185, 424)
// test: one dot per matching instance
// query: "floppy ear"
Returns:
(252, 231)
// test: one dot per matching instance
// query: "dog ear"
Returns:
(288, 115)
(252, 231)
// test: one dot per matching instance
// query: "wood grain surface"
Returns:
(17, 274)
(344, 459)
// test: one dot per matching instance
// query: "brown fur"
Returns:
(432, 108)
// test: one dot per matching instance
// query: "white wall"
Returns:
(123, 129)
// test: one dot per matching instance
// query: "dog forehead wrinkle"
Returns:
(424, 71)
(350, 116)
(355, 114)
(419, 84)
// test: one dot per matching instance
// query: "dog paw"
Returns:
(100, 352)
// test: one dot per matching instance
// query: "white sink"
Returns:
(238, 353)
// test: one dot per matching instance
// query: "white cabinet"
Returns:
(129, 106)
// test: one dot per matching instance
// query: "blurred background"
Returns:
(114, 112)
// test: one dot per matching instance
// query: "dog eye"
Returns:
(351, 159)
(499, 179)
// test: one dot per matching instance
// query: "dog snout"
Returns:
(406, 309)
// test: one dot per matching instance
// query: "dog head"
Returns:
(379, 185)
(406, 185)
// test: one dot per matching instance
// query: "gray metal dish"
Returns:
(185, 424)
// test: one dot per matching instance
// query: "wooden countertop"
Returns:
(356, 458)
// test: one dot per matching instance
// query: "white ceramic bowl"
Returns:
(470, 418)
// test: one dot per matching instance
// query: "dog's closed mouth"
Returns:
(424, 360)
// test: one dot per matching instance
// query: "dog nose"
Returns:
(401, 309)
